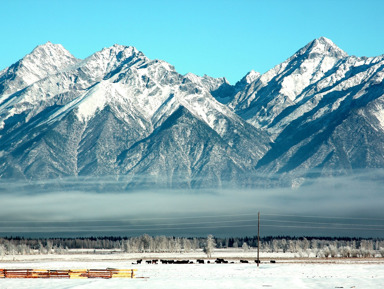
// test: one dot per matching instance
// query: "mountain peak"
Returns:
(207, 81)
(322, 47)
(118, 47)
(49, 49)
(115, 54)
(325, 40)
(251, 76)
(247, 79)
(49, 57)
(44, 60)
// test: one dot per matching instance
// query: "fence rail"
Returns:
(69, 274)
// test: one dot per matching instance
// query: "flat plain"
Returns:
(288, 271)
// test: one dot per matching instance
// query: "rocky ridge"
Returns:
(119, 114)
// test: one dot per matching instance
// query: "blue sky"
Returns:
(218, 38)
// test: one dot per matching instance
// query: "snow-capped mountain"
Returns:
(263, 99)
(43, 61)
(323, 109)
(119, 114)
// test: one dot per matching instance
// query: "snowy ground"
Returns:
(285, 273)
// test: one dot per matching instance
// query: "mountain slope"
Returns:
(43, 61)
(90, 118)
(121, 115)
(310, 104)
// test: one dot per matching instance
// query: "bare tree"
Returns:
(284, 245)
(146, 243)
(345, 251)
(49, 246)
(2, 250)
(381, 250)
(187, 245)
(210, 245)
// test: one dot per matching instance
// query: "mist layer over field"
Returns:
(342, 206)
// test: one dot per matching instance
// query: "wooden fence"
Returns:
(70, 274)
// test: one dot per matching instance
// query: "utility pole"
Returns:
(258, 239)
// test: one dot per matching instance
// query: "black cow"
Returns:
(182, 262)
(200, 261)
(167, 261)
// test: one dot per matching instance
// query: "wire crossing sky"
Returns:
(279, 223)
(216, 37)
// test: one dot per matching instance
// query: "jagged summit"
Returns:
(50, 49)
(307, 66)
(49, 57)
(117, 48)
(324, 40)
(44, 60)
(115, 53)
(248, 78)
(209, 82)
(322, 47)
(251, 76)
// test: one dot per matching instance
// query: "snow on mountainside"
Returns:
(90, 118)
(247, 79)
(210, 83)
(309, 103)
(118, 113)
(43, 61)
(264, 99)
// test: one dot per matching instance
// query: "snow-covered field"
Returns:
(285, 273)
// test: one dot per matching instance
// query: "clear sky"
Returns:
(219, 38)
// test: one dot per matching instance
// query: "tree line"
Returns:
(300, 246)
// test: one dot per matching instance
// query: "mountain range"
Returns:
(119, 115)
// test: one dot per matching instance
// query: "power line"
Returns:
(187, 217)
(144, 225)
(323, 217)
(120, 226)
(143, 229)
(210, 222)
(330, 228)
(317, 223)
(127, 220)
(197, 227)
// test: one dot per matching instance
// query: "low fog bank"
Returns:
(335, 206)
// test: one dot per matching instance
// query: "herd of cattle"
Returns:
(198, 261)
